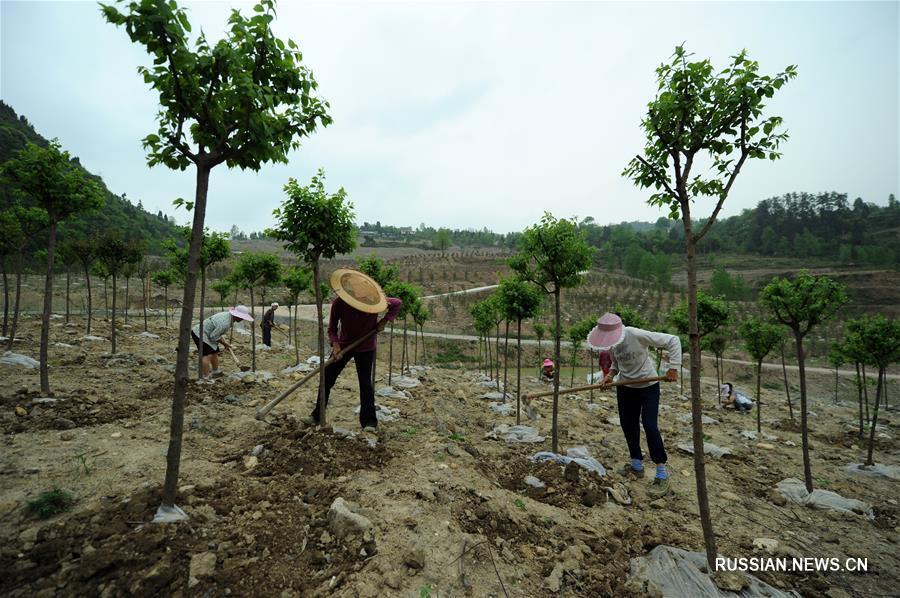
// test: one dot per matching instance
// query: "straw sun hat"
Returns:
(358, 291)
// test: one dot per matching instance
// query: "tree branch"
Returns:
(659, 179)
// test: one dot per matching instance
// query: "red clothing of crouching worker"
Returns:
(605, 362)
(354, 313)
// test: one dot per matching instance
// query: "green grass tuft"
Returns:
(51, 503)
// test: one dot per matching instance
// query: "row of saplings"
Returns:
(795, 307)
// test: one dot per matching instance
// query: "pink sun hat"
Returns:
(241, 312)
(608, 332)
(548, 362)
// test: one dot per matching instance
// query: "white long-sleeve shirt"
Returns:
(631, 359)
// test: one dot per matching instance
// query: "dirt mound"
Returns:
(292, 449)
(28, 412)
(257, 548)
(569, 487)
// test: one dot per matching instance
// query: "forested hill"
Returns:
(823, 226)
(117, 213)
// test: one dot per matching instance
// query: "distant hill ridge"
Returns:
(117, 212)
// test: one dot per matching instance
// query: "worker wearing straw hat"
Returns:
(354, 312)
(214, 329)
(639, 403)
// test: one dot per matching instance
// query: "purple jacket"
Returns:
(346, 324)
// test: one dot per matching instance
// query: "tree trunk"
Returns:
(253, 333)
(106, 297)
(415, 343)
(127, 279)
(173, 455)
(497, 355)
(5, 295)
(404, 363)
(709, 537)
(860, 393)
(145, 289)
(835, 384)
(424, 354)
(804, 430)
(787, 388)
(758, 404)
(574, 358)
(391, 357)
(68, 285)
(321, 334)
(718, 379)
(48, 305)
(295, 333)
(490, 357)
(200, 335)
(113, 336)
(591, 359)
(875, 416)
(554, 445)
(865, 386)
(506, 362)
(518, 372)
(15, 316)
(90, 308)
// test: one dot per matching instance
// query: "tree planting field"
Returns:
(432, 486)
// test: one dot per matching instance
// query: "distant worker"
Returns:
(214, 329)
(734, 399)
(267, 323)
(628, 348)
(547, 371)
(354, 312)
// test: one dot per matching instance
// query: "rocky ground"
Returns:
(428, 506)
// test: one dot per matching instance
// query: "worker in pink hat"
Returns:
(214, 329)
(639, 403)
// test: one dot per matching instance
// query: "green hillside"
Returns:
(117, 212)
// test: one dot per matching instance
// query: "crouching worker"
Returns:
(547, 371)
(354, 312)
(214, 329)
(638, 403)
(734, 399)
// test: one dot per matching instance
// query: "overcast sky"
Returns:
(479, 114)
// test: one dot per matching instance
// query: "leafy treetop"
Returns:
(760, 337)
(246, 100)
(718, 116)
(712, 314)
(314, 224)
(553, 254)
(48, 176)
(804, 302)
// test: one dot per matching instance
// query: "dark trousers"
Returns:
(267, 336)
(364, 362)
(636, 406)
